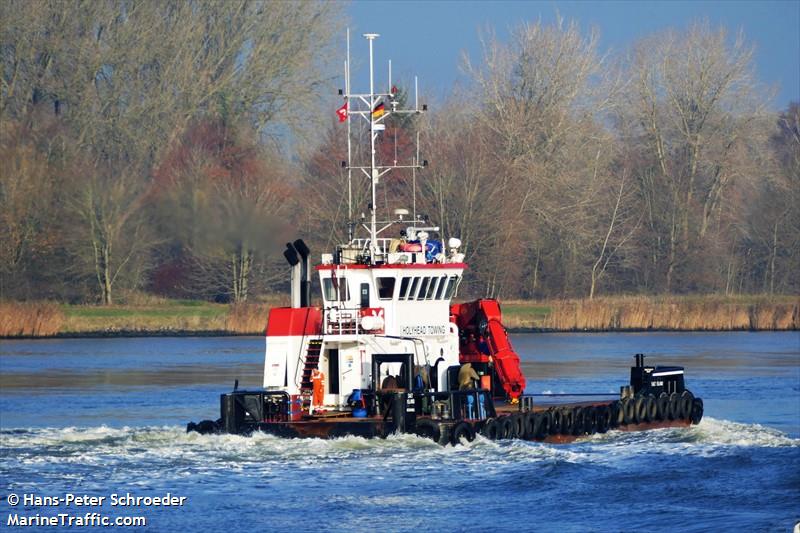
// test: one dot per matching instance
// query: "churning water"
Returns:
(102, 417)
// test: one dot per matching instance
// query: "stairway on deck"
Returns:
(311, 363)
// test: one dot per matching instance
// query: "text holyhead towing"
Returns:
(389, 352)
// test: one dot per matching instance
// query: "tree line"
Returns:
(173, 147)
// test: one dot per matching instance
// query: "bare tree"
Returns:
(126, 79)
(541, 97)
(226, 198)
(116, 235)
(692, 98)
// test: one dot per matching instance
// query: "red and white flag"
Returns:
(342, 113)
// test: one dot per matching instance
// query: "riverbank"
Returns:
(183, 318)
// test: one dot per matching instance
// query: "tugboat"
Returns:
(389, 351)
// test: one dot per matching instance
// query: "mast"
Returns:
(374, 170)
(349, 148)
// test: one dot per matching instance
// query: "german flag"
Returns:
(379, 110)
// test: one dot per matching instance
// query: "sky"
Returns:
(428, 38)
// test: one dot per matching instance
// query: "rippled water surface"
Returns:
(105, 416)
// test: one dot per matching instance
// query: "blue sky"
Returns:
(428, 38)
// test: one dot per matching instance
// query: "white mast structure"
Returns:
(374, 171)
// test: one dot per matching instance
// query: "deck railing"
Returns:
(348, 320)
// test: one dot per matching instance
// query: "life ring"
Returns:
(673, 409)
(697, 410)
(518, 419)
(542, 423)
(629, 411)
(530, 425)
(428, 429)
(567, 421)
(662, 406)
(489, 429)
(462, 430)
(686, 400)
(579, 421)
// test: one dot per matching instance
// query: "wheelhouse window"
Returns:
(385, 288)
(440, 289)
(404, 287)
(412, 292)
(451, 287)
(423, 288)
(335, 289)
(431, 289)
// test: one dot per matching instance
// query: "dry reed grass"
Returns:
(690, 313)
(673, 313)
(247, 318)
(30, 319)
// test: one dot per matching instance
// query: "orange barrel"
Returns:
(295, 407)
(486, 382)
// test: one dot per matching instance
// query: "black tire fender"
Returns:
(428, 428)
(697, 410)
(652, 409)
(530, 424)
(567, 421)
(662, 406)
(641, 409)
(507, 426)
(489, 429)
(603, 418)
(207, 427)
(629, 411)
(462, 430)
(542, 424)
(673, 410)
(555, 421)
(579, 422)
(686, 401)
(590, 420)
(518, 419)
(617, 414)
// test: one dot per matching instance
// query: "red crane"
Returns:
(483, 341)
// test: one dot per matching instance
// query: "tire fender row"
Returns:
(568, 420)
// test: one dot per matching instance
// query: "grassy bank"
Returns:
(168, 317)
(171, 317)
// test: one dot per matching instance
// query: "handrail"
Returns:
(382, 242)
(463, 408)
(301, 356)
(346, 321)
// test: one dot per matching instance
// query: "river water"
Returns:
(107, 416)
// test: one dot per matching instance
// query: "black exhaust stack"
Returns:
(305, 280)
(292, 258)
(638, 377)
